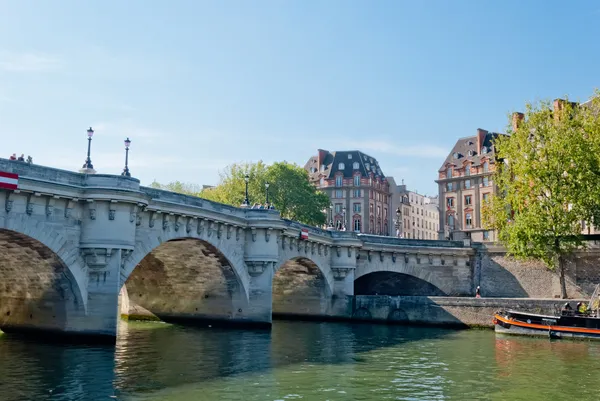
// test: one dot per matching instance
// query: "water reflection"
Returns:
(315, 361)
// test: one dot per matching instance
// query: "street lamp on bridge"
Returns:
(267, 194)
(126, 169)
(246, 202)
(88, 167)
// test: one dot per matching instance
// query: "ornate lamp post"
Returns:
(267, 193)
(87, 166)
(246, 200)
(331, 216)
(399, 222)
(126, 169)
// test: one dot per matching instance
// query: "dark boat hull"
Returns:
(573, 327)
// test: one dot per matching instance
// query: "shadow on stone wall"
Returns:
(504, 276)
(37, 290)
(394, 284)
(300, 290)
(183, 279)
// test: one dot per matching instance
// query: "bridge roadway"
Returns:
(70, 243)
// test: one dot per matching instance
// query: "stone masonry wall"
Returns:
(36, 290)
(451, 311)
(184, 278)
(299, 288)
(503, 276)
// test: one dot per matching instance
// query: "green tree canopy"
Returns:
(289, 190)
(548, 178)
(179, 187)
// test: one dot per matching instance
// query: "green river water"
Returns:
(301, 361)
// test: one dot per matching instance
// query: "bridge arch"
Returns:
(186, 277)
(401, 279)
(40, 282)
(300, 288)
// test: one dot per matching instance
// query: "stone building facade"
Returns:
(419, 217)
(359, 191)
(465, 184)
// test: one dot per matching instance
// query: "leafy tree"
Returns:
(289, 190)
(548, 178)
(179, 187)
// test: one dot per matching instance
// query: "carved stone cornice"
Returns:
(258, 267)
(340, 273)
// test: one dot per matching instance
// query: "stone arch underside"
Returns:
(185, 279)
(395, 284)
(300, 289)
(37, 289)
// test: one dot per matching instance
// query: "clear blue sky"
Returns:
(198, 85)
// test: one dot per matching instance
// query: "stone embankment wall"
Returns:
(446, 311)
(503, 276)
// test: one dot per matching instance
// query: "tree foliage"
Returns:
(548, 178)
(290, 192)
(179, 187)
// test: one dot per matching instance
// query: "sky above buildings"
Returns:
(198, 85)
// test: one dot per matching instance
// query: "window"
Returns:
(355, 166)
(378, 210)
(357, 180)
(486, 181)
(486, 235)
(339, 180)
(486, 167)
(357, 225)
(451, 221)
(367, 166)
(356, 208)
(455, 155)
(471, 153)
(468, 200)
(338, 208)
(371, 210)
(322, 181)
(467, 184)
(467, 169)
(449, 172)
(418, 225)
(356, 193)
(486, 197)
(468, 220)
(418, 234)
(341, 166)
(484, 150)
(450, 202)
(338, 194)
(349, 156)
(449, 187)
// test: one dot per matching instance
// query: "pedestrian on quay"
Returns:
(21, 158)
(478, 292)
(13, 157)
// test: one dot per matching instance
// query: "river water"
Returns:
(301, 361)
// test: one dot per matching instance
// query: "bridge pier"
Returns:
(103, 289)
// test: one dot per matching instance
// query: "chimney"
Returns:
(516, 120)
(559, 104)
(321, 158)
(481, 133)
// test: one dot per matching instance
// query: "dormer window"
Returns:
(484, 150)
(367, 166)
(355, 166)
(341, 166)
(322, 167)
(455, 155)
(313, 170)
(349, 156)
(471, 153)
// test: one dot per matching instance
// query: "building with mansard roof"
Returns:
(358, 190)
(465, 183)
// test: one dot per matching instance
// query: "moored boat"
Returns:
(569, 323)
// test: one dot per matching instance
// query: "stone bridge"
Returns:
(70, 243)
